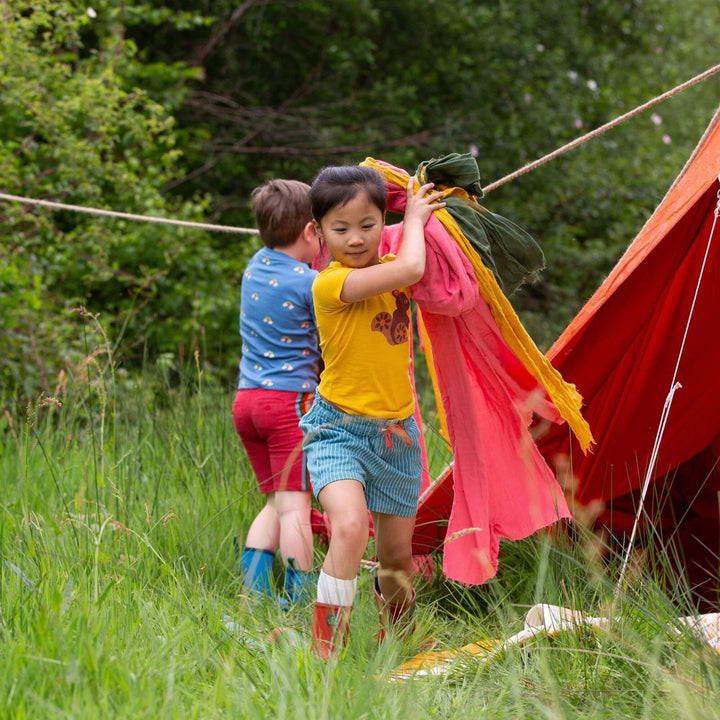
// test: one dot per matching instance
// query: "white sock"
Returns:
(334, 591)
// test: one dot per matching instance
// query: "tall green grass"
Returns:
(117, 516)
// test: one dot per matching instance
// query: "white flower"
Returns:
(592, 85)
(474, 150)
(657, 119)
(540, 47)
(578, 123)
(666, 139)
(572, 75)
(91, 12)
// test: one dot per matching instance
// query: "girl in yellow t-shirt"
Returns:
(361, 441)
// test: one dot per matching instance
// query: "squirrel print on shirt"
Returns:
(395, 327)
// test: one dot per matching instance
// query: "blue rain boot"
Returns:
(299, 585)
(256, 566)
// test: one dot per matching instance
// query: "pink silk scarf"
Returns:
(503, 487)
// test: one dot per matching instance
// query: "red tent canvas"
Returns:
(621, 352)
(434, 508)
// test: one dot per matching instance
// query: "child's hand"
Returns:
(420, 204)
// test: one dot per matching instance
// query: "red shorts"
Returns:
(267, 423)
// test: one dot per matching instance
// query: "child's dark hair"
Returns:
(339, 184)
(282, 210)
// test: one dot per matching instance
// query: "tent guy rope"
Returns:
(674, 386)
(492, 186)
(127, 216)
(603, 128)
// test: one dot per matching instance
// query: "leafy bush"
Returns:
(73, 130)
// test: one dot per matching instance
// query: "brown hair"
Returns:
(282, 210)
(339, 184)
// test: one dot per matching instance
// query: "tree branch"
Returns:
(406, 141)
(234, 19)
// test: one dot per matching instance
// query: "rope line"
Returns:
(128, 216)
(603, 128)
(492, 186)
(674, 386)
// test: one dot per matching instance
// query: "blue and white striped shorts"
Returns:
(339, 446)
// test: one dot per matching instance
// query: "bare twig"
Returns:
(224, 29)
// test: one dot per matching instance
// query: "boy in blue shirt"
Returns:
(278, 376)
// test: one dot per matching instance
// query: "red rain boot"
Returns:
(329, 629)
(394, 617)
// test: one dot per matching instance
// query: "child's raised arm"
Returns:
(409, 265)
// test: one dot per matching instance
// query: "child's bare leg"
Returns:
(344, 502)
(264, 532)
(393, 545)
(296, 542)
(261, 543)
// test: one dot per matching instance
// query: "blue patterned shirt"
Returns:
(277, 324)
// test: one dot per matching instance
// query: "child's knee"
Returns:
(351, 530)
(290, 502)
(395, 557)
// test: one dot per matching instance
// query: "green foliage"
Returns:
(73, 128)
(288, 87)
(180, 109)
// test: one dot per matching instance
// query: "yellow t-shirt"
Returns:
(365, 347)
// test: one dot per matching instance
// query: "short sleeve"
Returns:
(327, 287)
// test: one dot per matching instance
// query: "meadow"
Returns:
(121, 498)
